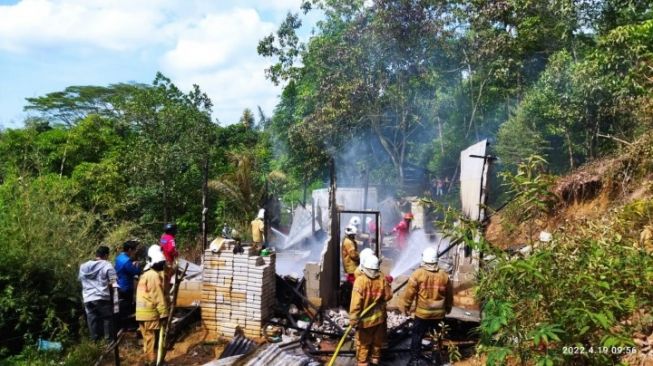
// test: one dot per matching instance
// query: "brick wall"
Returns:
(238, 292)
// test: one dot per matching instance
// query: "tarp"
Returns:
(473, 180)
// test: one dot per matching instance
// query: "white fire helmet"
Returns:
(261, 213)
(368, 220)
(355, 220)
(155, 254)
(430, 255)
(351, 230)
(370, 262)
(364, 253)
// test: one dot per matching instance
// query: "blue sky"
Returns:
(47, 45)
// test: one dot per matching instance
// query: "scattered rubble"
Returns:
(341, 318)
(396, 319)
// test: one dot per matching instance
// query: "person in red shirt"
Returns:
(403, 229)
(167, 243)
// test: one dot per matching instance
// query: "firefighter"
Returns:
(258, 231)
(369, 288)
(430, 286)
(350, 258)
(364, 253)
(151, 302)
(355, 221)
(350, 261)
(402, 229)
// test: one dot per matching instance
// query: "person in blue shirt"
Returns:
(127, 267)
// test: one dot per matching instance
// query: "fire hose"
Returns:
(363, 313)
(342, 340)
(367, 309)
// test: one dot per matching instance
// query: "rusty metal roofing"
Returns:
(271, 354)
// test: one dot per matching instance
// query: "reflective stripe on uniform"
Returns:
(372, 319)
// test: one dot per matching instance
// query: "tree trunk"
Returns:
(205, 191)
(569, 150)
(440, 132)
(165, 201)
(402, 148)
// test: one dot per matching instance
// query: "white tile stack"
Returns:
(238, 292)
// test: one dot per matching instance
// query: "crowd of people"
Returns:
(109, 297)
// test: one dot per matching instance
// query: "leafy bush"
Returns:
(575, 292)
(585, 289)
(44, 240)
(531, 191)
(82, 354)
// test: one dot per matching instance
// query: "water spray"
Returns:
(410, 256)
(279, 233)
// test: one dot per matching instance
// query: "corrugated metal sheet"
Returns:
(238, 346)
(273, 355)
(473, 180)
(269, 355)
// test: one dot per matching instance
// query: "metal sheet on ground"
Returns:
(473, 316)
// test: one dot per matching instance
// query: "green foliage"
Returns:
(574, 291)
(580, 109)
(77, 102)
(81, 354)
(126, 159)
(530, 189)
(45, 238)
(242, 189)
(369, 99)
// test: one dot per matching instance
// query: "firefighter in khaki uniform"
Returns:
(432, 288)
(359, 270)
(364, 253)
(151, 302)
(258, 231)
(369, 288)
(350, 258)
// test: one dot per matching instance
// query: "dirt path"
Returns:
(191, 350)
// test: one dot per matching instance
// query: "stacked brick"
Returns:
(238, 292)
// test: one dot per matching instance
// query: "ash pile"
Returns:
(340, 317)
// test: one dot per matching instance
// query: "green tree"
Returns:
(247, 119)
(76, 102)
(369, 78)
(173, 137)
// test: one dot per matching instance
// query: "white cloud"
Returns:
(235, 88)
(218, 39)
(114, 25)
(219, 54)
(117, 24)
(209, 43)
